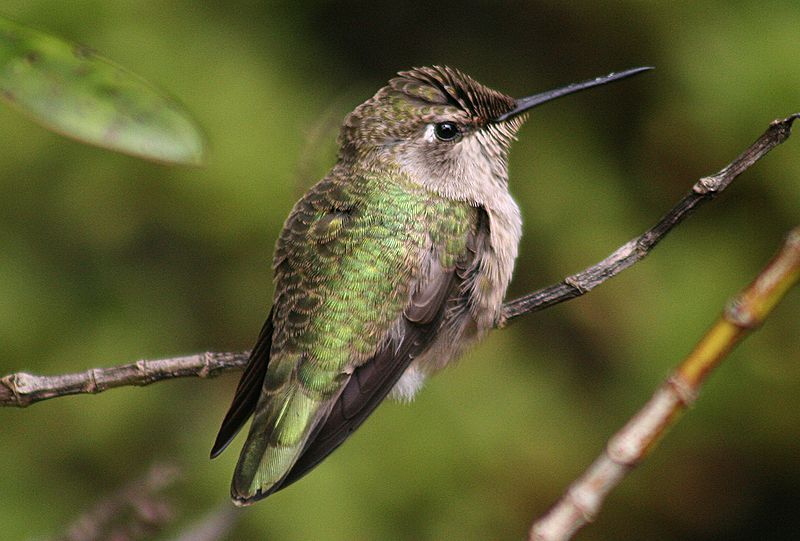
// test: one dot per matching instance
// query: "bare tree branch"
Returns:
(143, 509)
(22, 389)
(706, 189)
(138, 511)
(582, 501)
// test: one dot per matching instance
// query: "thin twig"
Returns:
(138, 511)
(706, 189)
(582, 501)
(22, 389)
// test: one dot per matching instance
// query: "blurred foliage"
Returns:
(74, 91)
(106, 259)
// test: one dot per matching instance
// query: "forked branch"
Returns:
(22, 389)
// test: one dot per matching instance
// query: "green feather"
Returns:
(345, 263)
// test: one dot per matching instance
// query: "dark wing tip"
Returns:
(247, 392)
(219, 446)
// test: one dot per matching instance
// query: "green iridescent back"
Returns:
(345, 264)
(343, 272)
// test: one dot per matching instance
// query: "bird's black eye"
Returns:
(446, 131)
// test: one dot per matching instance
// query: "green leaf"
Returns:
(71, 90)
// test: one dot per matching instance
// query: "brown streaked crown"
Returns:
(441, 85)
(416, 97)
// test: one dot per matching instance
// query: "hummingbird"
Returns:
(385, 270)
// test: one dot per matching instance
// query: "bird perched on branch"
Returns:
(385, 270)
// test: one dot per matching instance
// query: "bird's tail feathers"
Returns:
(276, 440)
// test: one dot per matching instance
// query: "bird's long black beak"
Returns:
(529, 102)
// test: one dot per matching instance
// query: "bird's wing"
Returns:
(362, 282)
(440, 291)
(370, 382)
(247, 392)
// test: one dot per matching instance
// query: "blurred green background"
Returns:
(107, 259)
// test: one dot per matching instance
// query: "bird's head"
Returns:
(442, 128)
